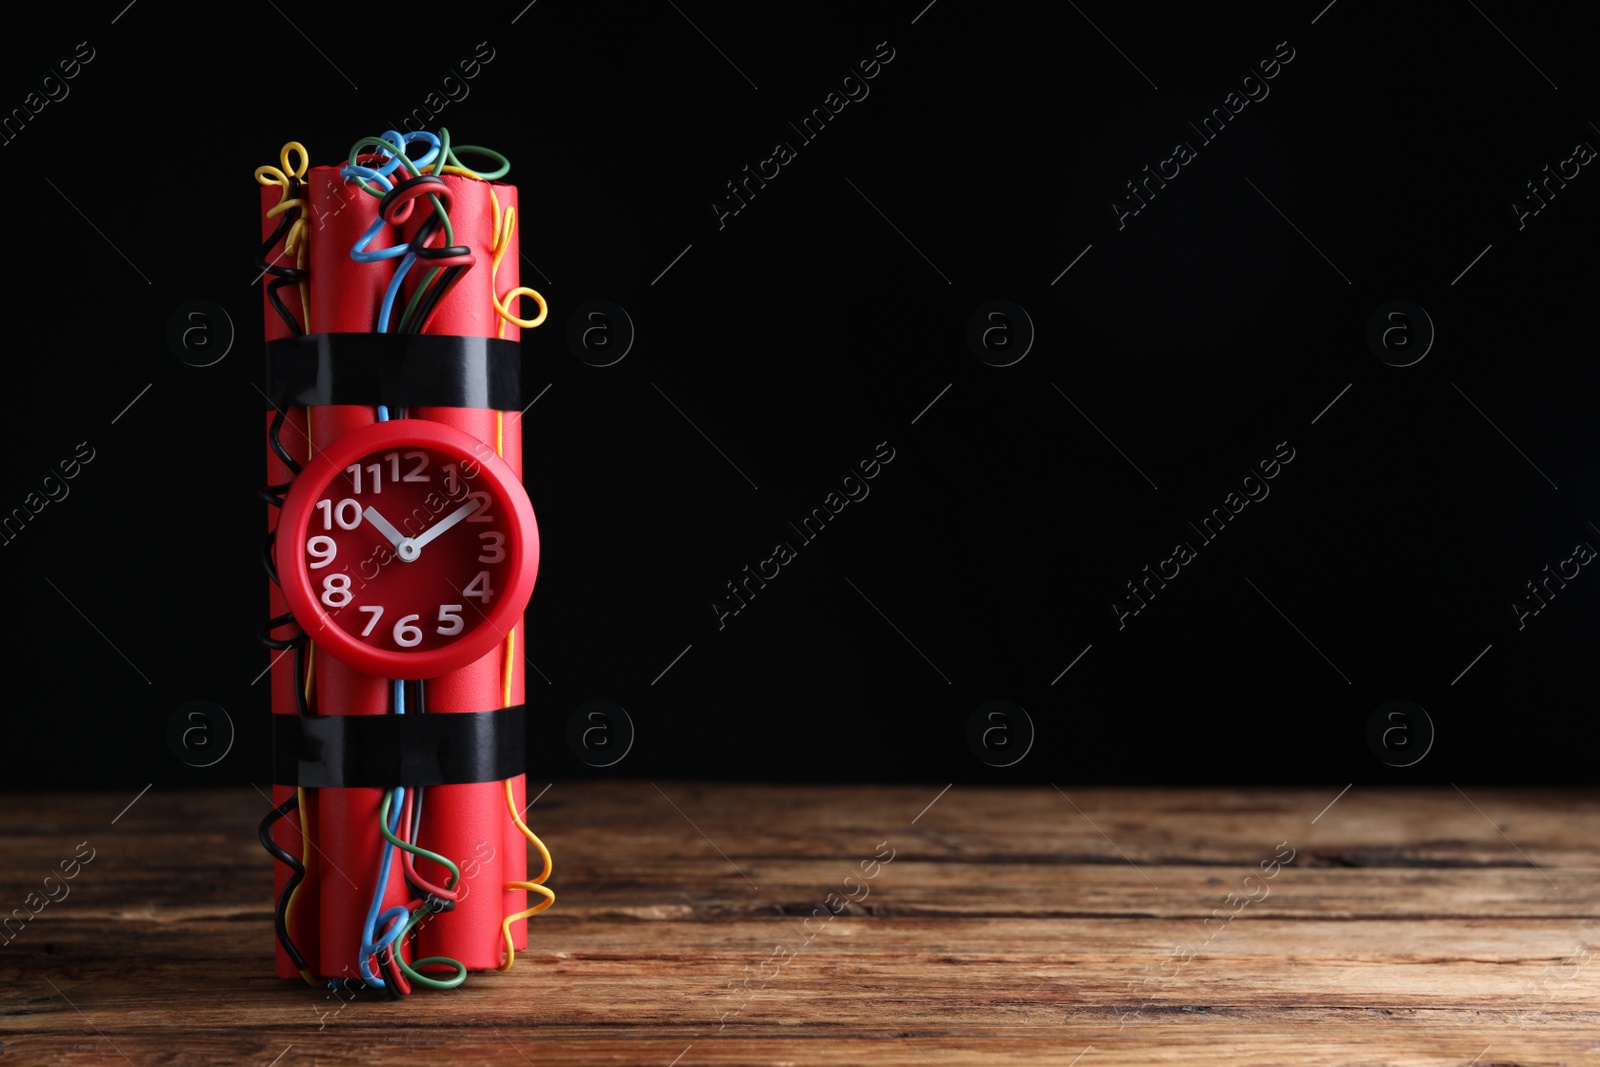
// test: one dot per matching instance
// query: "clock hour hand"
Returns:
(444, 524)
(384, 526)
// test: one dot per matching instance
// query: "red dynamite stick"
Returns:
(467, 310)
(348, 819)
(514, 860)
(286, 832)
(473, 821)
(345, 295)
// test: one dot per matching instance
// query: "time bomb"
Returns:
(401, 551)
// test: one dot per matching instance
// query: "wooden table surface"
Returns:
(1424, 926)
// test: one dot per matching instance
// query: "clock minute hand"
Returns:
(384, 526)
(445, 523)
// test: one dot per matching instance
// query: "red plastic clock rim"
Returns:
(294, 575)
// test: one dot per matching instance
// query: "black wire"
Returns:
(445, 281)
(300, 678)
(273, 494)
(282, 275)
(298, 643)
(276, 442)
(419, 248)
(279, 644)
(298, 869)
(266, 556)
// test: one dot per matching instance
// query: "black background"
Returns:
(822, 320)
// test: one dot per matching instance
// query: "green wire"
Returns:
(424, 911)
(415, 850)
(432, 983)
(416, 296)
(388, 147)
(399, 152)
(450, 157)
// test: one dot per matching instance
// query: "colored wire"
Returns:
(275, 439)
(394, 210)
(311, 669)
(511, 635)
(447, 261)
(452, 162)
(502, 229)
(292, 230)
(414, 849)
(388, 820)
(297, 643)
(297, 871)
(534, 885)
(430, 961)
(302, 813)
(511, 649)
(423, 909)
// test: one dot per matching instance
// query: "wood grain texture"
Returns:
(693, 926)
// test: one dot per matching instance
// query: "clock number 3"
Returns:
(494, 550)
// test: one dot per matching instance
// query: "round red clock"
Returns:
(407, 549)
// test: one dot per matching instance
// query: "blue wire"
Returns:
(394, 288)
(371, 944)
(380, 176)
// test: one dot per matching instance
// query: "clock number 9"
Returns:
(324, 548)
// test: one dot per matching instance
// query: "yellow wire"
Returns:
(511, 638)
(533, 886)
(299, 234)
(511, 648)
(305, 861)
(503, 227)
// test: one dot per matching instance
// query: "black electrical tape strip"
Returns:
(397, 370)
(383, 751)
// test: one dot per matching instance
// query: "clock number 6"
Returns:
(407, 635)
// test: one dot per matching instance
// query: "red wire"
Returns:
(409, 861)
